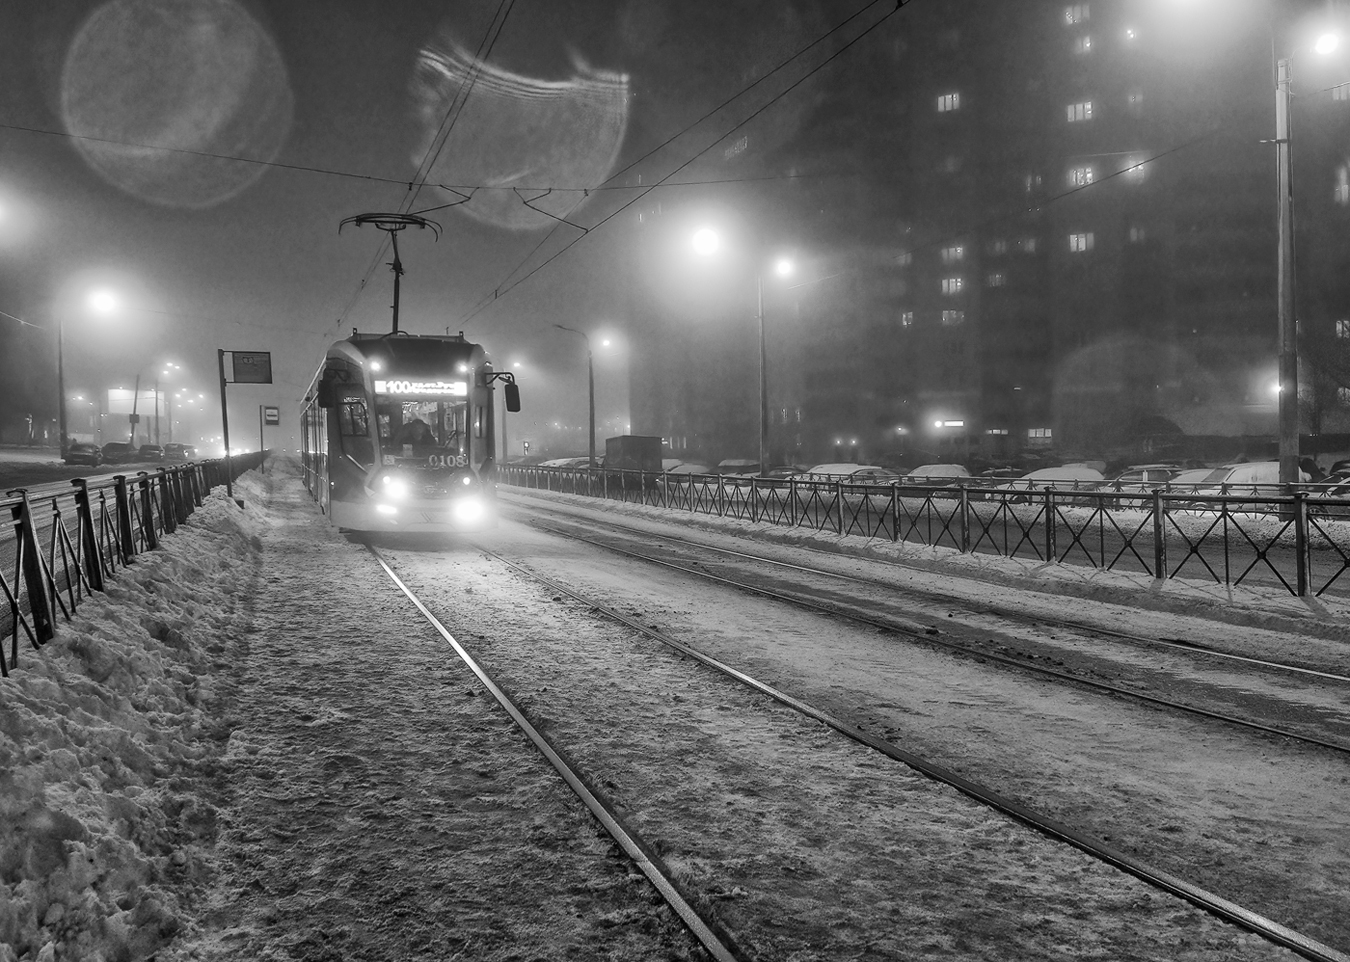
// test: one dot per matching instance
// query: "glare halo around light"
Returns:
(706, 241)
(151, 88)
(1327, 43)
(103, 302)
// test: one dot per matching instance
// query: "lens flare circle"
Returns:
(151, 89)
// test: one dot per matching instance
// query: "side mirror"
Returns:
(325, 394)
(512, 397)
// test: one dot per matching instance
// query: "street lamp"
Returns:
(1284, 289)
(706, 243)
(102, 302)
(590, 379)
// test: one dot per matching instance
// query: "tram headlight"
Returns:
(469, 510)
(394, 488)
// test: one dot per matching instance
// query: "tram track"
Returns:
(1227, 909)
(1040, 621)
(932, 636)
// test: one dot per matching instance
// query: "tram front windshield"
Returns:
(422, 429)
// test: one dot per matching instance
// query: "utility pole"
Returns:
(1288, 321)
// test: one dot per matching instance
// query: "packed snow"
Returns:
(187, 774)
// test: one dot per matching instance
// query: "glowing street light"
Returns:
(706, 243)
(102, 302)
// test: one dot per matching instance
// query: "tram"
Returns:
(397, 434)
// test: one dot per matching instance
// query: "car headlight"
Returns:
(394, 488)
(469, 510)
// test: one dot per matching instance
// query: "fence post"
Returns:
(965, 520)
(168, 513)
(754, 500)
(89, 546)
(1301, 547)
(1049, 523)
(1159, 537)
(34, 572)
(839, 507)
(125, 538)
(147, 512)
(665, 489)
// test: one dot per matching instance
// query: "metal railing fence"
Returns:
(1269, 535)
(49, 565)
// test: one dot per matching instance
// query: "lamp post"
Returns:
(590, 380)
(100, 302)
(1287, 320)
(707, 242)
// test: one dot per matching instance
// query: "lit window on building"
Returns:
(1343, 396)
(999, 246)
(1135, 171)
(997, 279)
(1082, 45)
(953, 318)
(905, 259)
(1031, 182)
(1040, 436)
(1343, 184)
(948, 102)
(1343, 328)
(1080, 176)
(953, 254)
(1080, 111)
(1027, 245)
(1138, 235)
(906, 318)
(1080, 242)
(1341, 92)
(952, 285)
(1076, 13)
(999, 431)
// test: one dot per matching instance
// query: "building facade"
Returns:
(1019, 227)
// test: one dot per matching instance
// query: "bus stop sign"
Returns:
(271, 415)
(252, 367)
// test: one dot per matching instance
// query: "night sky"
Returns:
(339, 100)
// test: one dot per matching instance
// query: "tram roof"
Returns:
(411, 355)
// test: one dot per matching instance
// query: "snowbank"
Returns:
(104, 735)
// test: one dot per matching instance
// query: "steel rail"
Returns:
(927, 635)
(1177, 643)
(1215, 904)
(634, 847)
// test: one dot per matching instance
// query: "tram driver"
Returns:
(416, 434)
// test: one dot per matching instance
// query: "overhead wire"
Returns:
(483, 305)
(782, 65)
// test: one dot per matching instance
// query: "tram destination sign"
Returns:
(444, 388)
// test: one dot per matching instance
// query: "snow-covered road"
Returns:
(253, 749)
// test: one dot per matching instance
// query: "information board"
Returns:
(252, 367)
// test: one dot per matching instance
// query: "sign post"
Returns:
(248, 367)
(266, 415)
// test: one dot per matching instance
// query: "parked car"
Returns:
(688, 467)
(1066, 477)
(937, 474)
(177, 451)
(782, 472)
(565, 463)
(738, 466)
(119, 452)
(850, 473)
(1137, 480)
(151, 452)
(1253, 479)
(83, 452)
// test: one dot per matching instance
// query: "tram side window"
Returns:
(354, 426)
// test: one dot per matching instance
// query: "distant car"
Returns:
(564, 463)
(1137, 480)
(937, 474)
(783, 471)
(688, 467)
(850, 473)
(119, 452)
(176, 451)
(83, 452)
(1066, 477)
(151, 452)
(1253, 479)
(738, 466)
